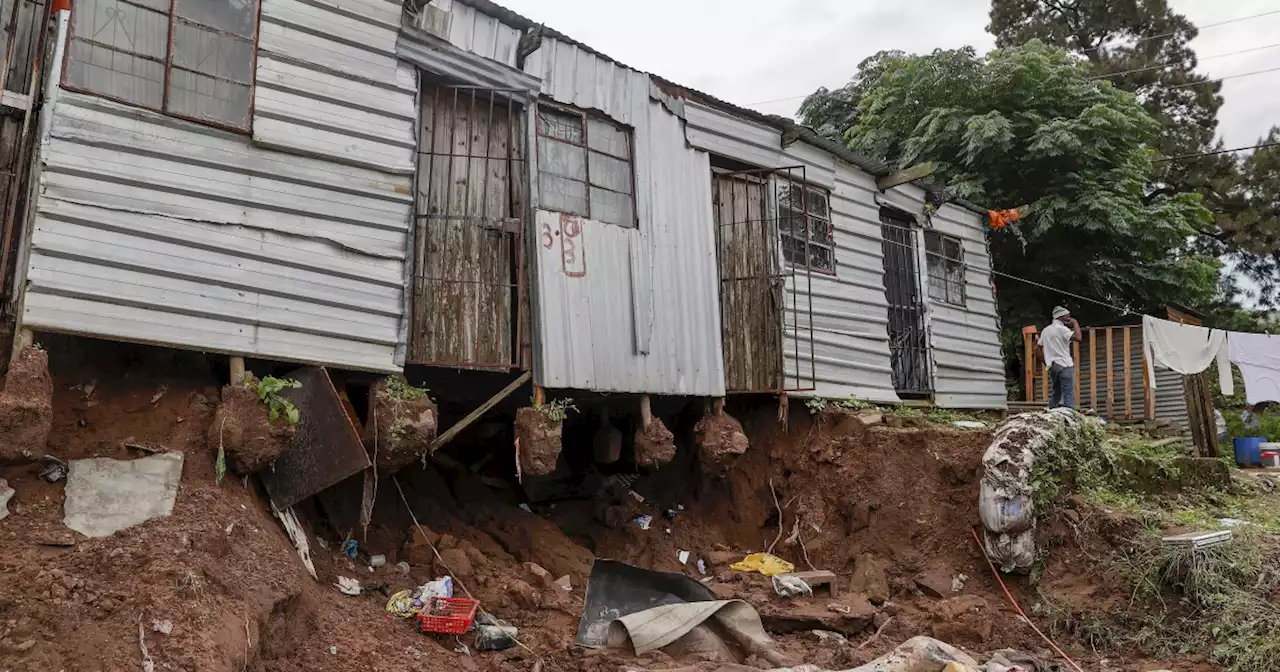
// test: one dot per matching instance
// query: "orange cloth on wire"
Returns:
(1002, 218)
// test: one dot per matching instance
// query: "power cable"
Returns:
(1180, 61)
(1219, 79)
(1216, 152)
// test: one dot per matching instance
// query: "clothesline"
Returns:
(1190, 349)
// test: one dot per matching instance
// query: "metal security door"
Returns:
(754, 302)
(468, 290)
(908, 337)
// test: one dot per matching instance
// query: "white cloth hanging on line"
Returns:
(1186, 349)
(1258, 356)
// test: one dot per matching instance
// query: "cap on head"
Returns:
(1060, 312)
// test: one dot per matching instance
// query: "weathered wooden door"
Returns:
(470, 210)
(908, 337)
(751, 283)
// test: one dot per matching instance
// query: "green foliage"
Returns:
(817, 405)
(269, 389)
(1223, 603)
(398, 388)
(1028, 126)
(556, 410)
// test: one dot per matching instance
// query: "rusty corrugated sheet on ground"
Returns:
(468, 277)
(325, 449)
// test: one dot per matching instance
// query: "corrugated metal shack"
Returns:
(450, 184)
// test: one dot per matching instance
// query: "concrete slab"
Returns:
(105, 496)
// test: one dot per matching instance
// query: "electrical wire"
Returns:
(1216, 152)
(1181, 61)
(1207, 25)
(1220, 79)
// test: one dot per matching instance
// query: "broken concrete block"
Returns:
(869, 579)
(538, 437)
(935, 582)
(817, 578)
(104, 496)
(26, 408)
(720, 441)
(6, 493)
(655, 445)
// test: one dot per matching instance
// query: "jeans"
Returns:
(1064, 386)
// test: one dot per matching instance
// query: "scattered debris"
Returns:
(922, 653)
(790, 585)
(6, 493)
(958, 581)
(164, 627)
(969, 424)
(348, 586)
(148, 665)
(814, 579)
(1198, 539)
(350, 549)
(160, 392)
(644, 521)
(495, 637)
(683, 557)
(829, 636)
(764, 563)
(104, 496)
(702, 566)
(565, 583)
(298, 536)
(376, 561)
(52, 469)
(134, 444)
(403, 567)
(333, 650)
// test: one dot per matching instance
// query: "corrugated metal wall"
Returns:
(157, 230)
(643, 315)
(329, 85)
(968, 366)
(474, 31)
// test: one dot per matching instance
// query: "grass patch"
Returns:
(399, 388)
(557, 410)
(817, 405)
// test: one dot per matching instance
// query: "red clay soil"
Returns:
(243, 427)
(539, 438)
(655, 445)
(26, 408)
(221, 569)
(404, 429)
(720, 441)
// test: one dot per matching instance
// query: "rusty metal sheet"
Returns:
(326, 447)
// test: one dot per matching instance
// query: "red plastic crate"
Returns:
(448, 615)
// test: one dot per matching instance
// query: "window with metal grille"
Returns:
(945, 261)
(804, 221)
(585, 166)
(187, 58)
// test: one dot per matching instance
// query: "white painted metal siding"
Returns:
(328, 83)
(850, 312)
(968, 367)
(645, 317)
(471, 30)
(158, 230)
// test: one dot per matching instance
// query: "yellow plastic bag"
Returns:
(764, 563)
(403, 605)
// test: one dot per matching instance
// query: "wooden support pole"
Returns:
(25, 339)
(1111, 374)
(1044, 384)
(1128, 374)
(539, 395)
(237, 370)
(1075, 358)
(462, 424)
(1029, 361)
(646, 412)
(1093, 369)
(1148, 396)
(718, 406)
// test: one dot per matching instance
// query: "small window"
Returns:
(945, 256)
(187, 58)
(804, 221)
(585, 166)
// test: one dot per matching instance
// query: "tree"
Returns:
(1027, 126)
(832, 112)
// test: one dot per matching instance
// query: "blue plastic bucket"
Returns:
(1248, 451)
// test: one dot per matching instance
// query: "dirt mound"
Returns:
(26, 408)
(405, 426)
(539, 440)
(245, 431)
(720, 441)
(655, 445)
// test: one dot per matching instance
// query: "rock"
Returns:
(6, 493)
(721, 558)
(1072, 515)
(655, 445)
(26, 408)
(935, 582)
(457, 563)
(957, 607)
(565, 583)
(720, 441)
(869, 579)
(524, 595)
(860, 517)
(420, 546)
(25, 646)
(539, 439)
(972, 632)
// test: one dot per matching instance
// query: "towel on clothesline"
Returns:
(1186, 349)
(1258, 356)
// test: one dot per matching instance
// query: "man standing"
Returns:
(1054, 349)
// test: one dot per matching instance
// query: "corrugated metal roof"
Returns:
(644, 314)
(435, 55)
(157, 230)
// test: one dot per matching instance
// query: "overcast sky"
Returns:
(752, 51)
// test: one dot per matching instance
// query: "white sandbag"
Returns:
(1011, 552)
(1003, 513)
(921, 654)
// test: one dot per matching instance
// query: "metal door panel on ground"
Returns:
(468, 280)
(908, 336)
(752, 282)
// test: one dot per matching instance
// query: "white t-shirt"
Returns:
(1056, 341)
